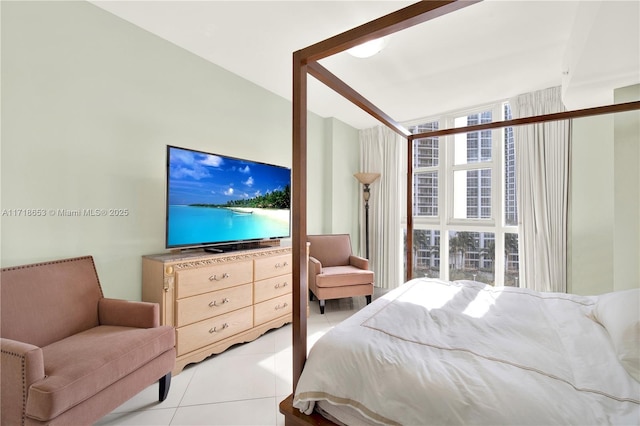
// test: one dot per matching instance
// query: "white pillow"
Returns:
(619, 313)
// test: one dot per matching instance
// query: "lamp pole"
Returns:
(366, 179)
(366, 195)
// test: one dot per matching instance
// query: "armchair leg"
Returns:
(310, 296)
(164, 384)
(368, 299)
(322, 307)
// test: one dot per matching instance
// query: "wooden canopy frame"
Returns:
(304, 63)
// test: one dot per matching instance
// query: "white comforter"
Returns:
(432, 352)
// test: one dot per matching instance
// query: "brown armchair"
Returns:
(334, 272)
(69, 355)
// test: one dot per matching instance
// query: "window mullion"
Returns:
(498, 199)
(445, 200)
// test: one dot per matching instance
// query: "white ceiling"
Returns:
(485, 52)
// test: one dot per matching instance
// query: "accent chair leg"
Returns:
(368, 299)
(310, 296)
(164, 385)
(322, 307)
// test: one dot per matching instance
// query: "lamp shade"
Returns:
(367, 178)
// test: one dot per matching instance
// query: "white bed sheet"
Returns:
(435, 352)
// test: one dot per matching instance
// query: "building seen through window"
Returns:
(464, 189)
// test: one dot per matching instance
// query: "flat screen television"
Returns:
(215, 200)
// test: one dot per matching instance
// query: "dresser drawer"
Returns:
(207, 305)
(194, 336)
(272, 266)
(271, 309)
(209, 278)
(272, 287)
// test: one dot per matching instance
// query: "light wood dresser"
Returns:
(217, 300)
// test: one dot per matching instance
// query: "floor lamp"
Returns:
(366, 179)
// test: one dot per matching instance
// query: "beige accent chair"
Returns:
(334, 272)
(69, 356)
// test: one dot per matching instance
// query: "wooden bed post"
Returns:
(299, 191)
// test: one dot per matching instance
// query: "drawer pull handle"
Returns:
(279, 285)
(214, 329)
(279, 265)
(215, 277)
(213, 302)
(282, 306)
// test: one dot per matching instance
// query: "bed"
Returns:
(305, 63)
(436, 352)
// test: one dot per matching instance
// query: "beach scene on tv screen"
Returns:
(215, 199)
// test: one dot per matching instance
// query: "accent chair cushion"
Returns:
(340, 276)
(82, 365)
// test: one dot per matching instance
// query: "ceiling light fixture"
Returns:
(369, 48)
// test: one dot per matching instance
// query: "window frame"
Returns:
(444, 221)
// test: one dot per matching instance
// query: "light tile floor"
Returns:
(241, 386)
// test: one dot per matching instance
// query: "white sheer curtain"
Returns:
(381, 152)
(542, 185)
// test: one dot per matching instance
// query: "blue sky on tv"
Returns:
(200, 178)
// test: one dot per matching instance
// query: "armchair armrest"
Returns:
(359, 262)
(22, 366)
(315, 266)
(127, 313)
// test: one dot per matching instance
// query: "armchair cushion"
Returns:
(82, 365)
(340, 276)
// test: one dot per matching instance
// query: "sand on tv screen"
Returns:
(215, 199)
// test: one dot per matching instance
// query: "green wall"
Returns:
(604, 238)
(626, 160)
(342, 199)
(89, 103)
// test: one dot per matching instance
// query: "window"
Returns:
(426, 253)
(464, 190)
(472, 256)
(511, 259)
(426, 161)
